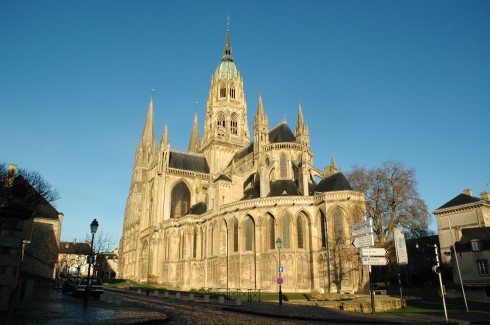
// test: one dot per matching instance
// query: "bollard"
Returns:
(177, 295)
(221, 299)
(155, 293)
(139, 291)
(238, 302)
(206, 298)
(165, 294)
(117, 301)
(191, 296)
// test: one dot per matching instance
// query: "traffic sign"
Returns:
(373, 251)
(281, 269)
(279, 280)
(90, 259)
(362, 231)
(363, 241)
(362, 224)
(378, 260)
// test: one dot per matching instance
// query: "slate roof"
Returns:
(74, 248)
(198, 208)
(222, 177)
(461, 199)
(281, 133)
(185, 161)
(41, 207)
(335, 182)
(284, 187)
(244, 152)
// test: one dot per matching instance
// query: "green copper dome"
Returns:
(227, 68)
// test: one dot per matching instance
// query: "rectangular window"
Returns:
(482, 267)
(475, 245)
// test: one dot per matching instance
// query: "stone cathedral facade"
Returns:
(209, 217)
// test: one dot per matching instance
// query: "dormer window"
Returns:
(476, 245)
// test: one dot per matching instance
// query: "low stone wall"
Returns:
(355, 303)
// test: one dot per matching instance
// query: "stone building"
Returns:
(463, 211)
(210, 216)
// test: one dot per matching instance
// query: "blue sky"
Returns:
(377, 80)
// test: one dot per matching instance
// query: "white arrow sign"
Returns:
(373, 251)
(362, 231)
(363, 241)
(362, 224)
(374, 260)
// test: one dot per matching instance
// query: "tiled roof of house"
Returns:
(335, 182)
(461, 199)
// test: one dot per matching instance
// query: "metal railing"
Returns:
(232, 293)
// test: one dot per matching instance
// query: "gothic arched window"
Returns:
(180, 200)
(323, 222)
(232, 92)
(235, 235)
(283, 167)
(222, 92)
(234, 124)
(285, 232)
(299, 230)
(338, 226)
(249, 234)
(194, 243)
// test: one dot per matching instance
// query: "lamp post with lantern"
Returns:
(279, 279)
(93, 229)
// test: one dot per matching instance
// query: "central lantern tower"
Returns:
(225, 124)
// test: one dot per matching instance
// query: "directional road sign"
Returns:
(373, 251)
(379, 260)
(363, 241)
(362, 224)
(362, 231)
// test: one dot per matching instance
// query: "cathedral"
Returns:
(209, 217)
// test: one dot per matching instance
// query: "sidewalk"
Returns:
(50, 306)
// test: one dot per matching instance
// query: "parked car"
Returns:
(96, 287)
(70, 284)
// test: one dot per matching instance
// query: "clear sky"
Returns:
(377, 80)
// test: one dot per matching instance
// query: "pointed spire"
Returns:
(164, 142)
(227, 50)
(333, 165)
(194, 140)
(300, 125)
(260, 106)
(148, 136)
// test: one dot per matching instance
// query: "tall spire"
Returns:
(260, 106)
(148, 136)
(164, 143)
(194, 140)
(227, 50)
(301, 131)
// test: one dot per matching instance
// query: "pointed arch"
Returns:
(285, 230)
(234, 122)
(234, 225)
(269, 223)
(299, 231)
(249, 234)
(180, 200)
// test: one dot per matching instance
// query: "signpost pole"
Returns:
(371, 291)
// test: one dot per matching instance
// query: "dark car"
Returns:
(96, 287)
(70, 284)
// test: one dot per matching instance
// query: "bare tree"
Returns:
(37, 190)
(392, 197)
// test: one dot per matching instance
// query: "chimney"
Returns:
(485, 196)
(467, 191)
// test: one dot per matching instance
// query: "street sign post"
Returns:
(279, 280)
(363, 241)
(370, 251)
(281, 269)
(362, 231)
(376, 260)
(362, 224)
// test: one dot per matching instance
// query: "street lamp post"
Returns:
(279, 244)
(93, 229)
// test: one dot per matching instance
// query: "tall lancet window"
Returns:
(299, 229)
(338, 226)
(249, 234)
(222, 92)
(232, 93)
(283, 167)
(234, 124)
(180, 200)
